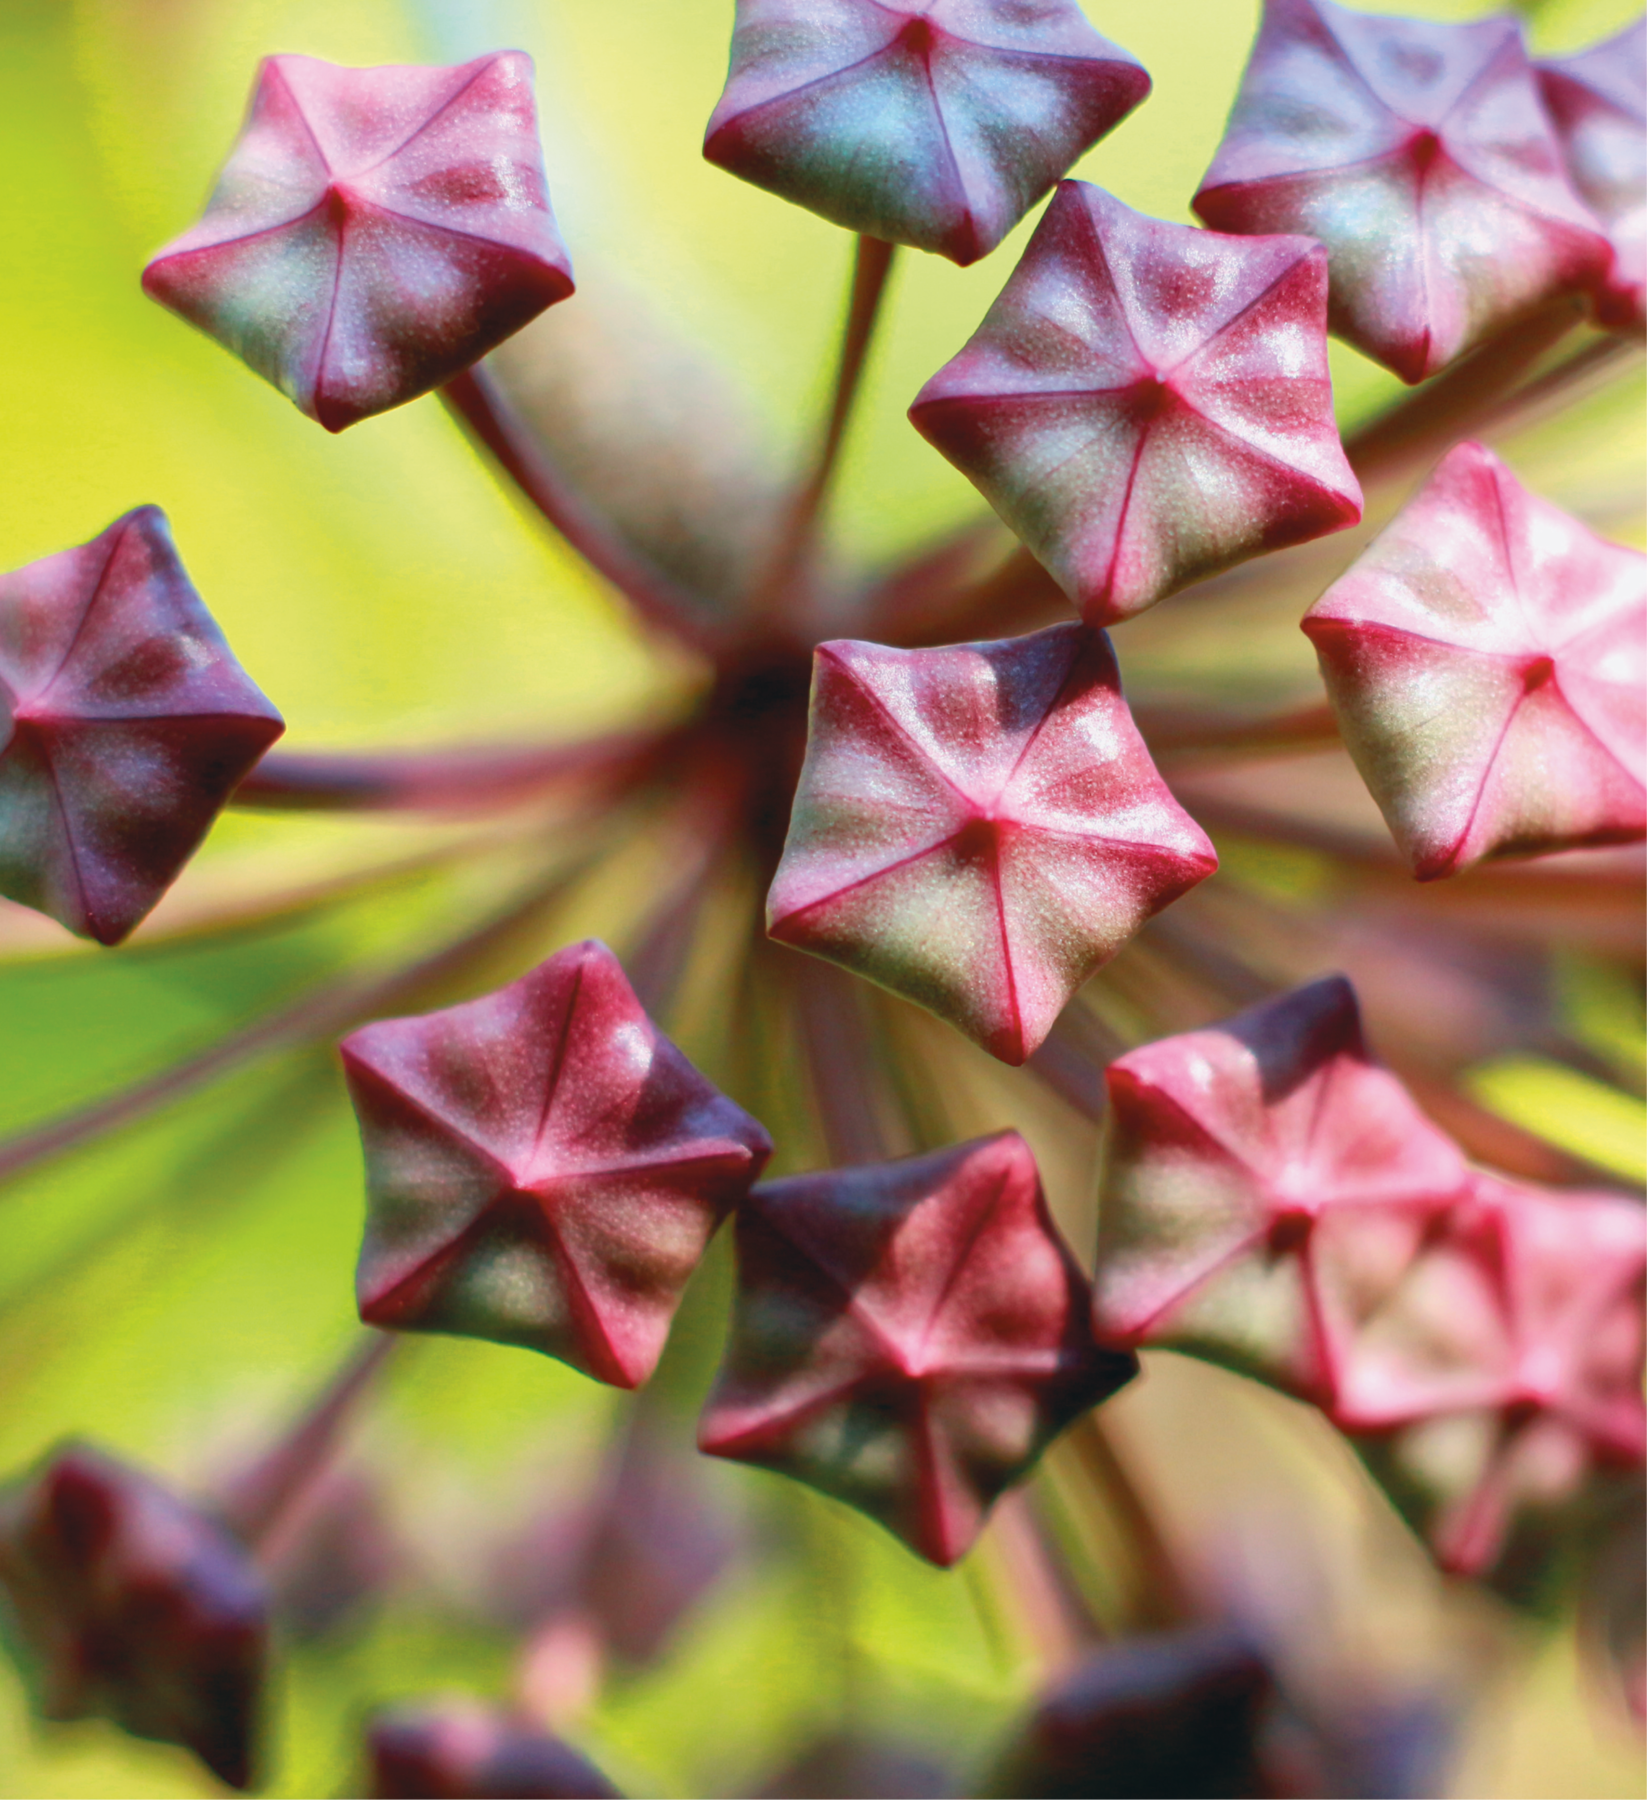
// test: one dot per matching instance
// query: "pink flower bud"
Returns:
(125, 724)
(908, 1337)
(1147, 403)
(126, 1604)
(1249, 1172)
(1420, 155)
(543, 1168)
(373, 232)
(1598, 100)
(1501, 1368)
(458, 1749)
(979, 828)
(937, 123)
(1486, 657)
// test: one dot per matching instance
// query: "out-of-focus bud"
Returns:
(125, 724)
(937, 123)
(124, 1603)
(1486, 658)
(1253, 1175)
(461, 1750)
(543, 1168)
(979, 828)
(373, 232)
(1420, 154)
(1146, 403)
(908, 1337)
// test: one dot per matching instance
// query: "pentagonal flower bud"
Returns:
(1598, 100)
(1485, 657)
(1250, 1172)
(543, 1168)
(456, 1748)
(1147, 403)
(1499, 1374)
(373, 232)
(1420, 155)
(124, 1603)
(908, 1337)
(125, 724)
(979, 827)
(936, 123)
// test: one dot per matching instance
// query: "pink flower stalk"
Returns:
(1598, 100)
(1502, 1369)
(544, 1168)
(908, 1337)
(373, 232)
(127, 1604)
(1420, 154)
(979, 828)
(1486, 658)
(1146, 403)
(1251, 1174)
(936, 123)
(127, 724)
(454, 1749)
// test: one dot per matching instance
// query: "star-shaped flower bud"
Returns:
(373, 232)
(1502, 1368)
(1598, 100)
(937, 123)
(455, 1748)
(1420, 155)
(543, 1168)
(125, 724)
(124, 1603)
(908, 1337)
(1485, 657)
(1250, 1172)
(979, 827)
(1147, 403)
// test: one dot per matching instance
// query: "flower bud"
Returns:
(459, 1750)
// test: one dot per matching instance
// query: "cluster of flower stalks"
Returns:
(944, 850)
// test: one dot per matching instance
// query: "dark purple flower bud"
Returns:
(126, 723)
(1486, 658)
(373, 232)
(1252, 1174)
(1420, 154)
(1147, 403)
(124, 1603)
(460, 1750)
(979, 828)
(937, 123)
(543, 1167)
(908, 1337)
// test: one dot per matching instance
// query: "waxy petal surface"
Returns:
(1251, 1170)
(936, 123)
(543, 1167)
(979, 827)
(1486, 657)
(908, 1337)
(125, 725)
(1420, 155)
(373, 232)
(1146, 403)
(124, 1603)
(455, 1747)
(1500, 1374)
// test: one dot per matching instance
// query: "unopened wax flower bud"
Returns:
(373, 232)
(936, 123)
(125, 1603)
(908, 1337)
(543, 1168)
(1146, 404)
(459, 1749)
(125, 725)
